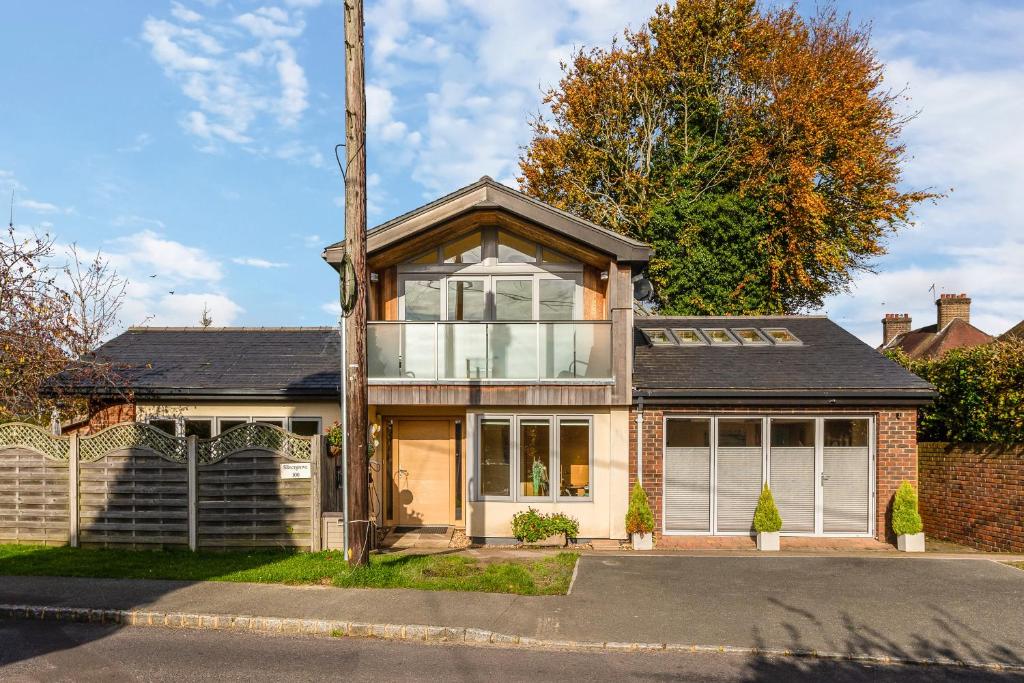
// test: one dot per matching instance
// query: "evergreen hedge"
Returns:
(981, 393)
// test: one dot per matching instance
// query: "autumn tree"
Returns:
(50, 317)
(757, 151)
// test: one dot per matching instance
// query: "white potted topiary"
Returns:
(906, 521)
(640, 519)
(767, 521)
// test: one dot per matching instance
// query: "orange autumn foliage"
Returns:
(727, 96)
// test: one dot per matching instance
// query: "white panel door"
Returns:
(793, 486)
(688, 489)
(738, 485)
(846, 490)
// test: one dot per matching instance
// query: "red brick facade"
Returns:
(895, 450)
(973, 494)
(102, 416)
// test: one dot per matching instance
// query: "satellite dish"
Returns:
(643, 290)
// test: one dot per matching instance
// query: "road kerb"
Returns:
(436, 634)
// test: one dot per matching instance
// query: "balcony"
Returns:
(490, 352)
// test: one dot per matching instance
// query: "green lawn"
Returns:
(549, 575)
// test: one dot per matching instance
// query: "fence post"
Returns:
(315, 500)
(193, 495)
(73, 518)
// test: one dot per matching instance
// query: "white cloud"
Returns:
(240, 73)
(258, 262)
(149, 253)
(179, 11)
(43, 207)
(332, 308)
(312, 240)
(141, 142)
(186, 310)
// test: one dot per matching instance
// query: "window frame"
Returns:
(221, 419)
(764, 340)
(711, 340)
(318, 420)
(670, 339)
(555, 476)
(178, 427)
(796, 341)
(701, 339)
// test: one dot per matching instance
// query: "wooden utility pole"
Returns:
(355, 322)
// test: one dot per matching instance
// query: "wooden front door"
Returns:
(423, 471)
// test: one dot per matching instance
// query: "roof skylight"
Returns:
(749, 336)
(780, 335)
(719, 336)
(687, 336)
(659, 337)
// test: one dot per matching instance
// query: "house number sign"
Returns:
(296, 470)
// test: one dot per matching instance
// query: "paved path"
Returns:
(905, 608)
(39, 651)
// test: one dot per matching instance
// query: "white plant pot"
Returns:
(643, 541)
(768, 540)
(910, 543)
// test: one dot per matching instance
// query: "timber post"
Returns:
(354, 370)
(193, 493)
(73, 515)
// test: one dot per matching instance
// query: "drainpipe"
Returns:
(640, 441)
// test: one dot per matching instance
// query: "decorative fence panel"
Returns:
(243, 501)
(134, 485)
(33, 498)
(134, 498)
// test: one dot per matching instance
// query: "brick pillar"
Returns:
(896, 458)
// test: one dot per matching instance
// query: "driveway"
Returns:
(914, 608)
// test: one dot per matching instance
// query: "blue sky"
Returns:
(193, 140)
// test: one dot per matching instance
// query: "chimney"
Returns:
(893, 325)
(952, 306)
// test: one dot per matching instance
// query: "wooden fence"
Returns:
(133, 485)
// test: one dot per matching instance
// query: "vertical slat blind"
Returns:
(688, 489)
(792, 482)
(739, 485)
(845, 491)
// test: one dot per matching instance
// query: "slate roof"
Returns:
(1015, 332)
(254, 362)
(829, 365)
(928, 342)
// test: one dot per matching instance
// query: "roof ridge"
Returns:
(311, 328)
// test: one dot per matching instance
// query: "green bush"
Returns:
(766, 514)
(639, 518)
(981, 393)
(905, 518)
(335, 436)
(532, 526)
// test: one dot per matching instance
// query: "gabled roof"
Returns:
(488, 194)
(928, 342)
(1015, 332)
(163, 362)
(828, 365)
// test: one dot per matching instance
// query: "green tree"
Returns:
(727, 111)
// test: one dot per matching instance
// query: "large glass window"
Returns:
(226, 423)
(467, 300)
(846, 433)
(681, 433)
(422, 300)
(513, 299)
(199, 428)
(549, 458)
(739, 433)
(304, 426)
(535, 458)
(464, 250)
(557, 299)
(515, 249)
(574, 458)
(688, 475)
(165, 425)
(495, 457)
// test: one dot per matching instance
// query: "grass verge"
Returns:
(549, 575)
(1018, 565)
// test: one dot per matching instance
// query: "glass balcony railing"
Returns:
(489, 351)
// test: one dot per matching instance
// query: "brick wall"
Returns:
(973, 494)
(101, 416)
(895, 454)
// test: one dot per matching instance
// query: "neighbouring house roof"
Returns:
(488, 194)
(1015, 332)
(828, 365)
(930, 342)
(196, 362)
